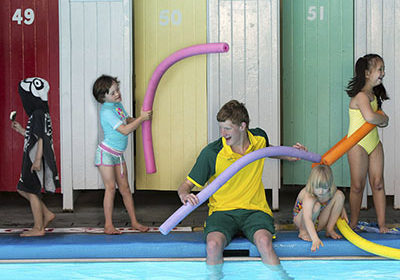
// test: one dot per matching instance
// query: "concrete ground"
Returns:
(152, 209)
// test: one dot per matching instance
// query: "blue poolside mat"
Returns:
(174, 245)
(373, 227)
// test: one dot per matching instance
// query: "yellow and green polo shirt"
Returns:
(245, 189)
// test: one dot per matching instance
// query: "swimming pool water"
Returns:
(304, 269)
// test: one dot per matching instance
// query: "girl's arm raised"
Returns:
(363, 103)
(133, 124)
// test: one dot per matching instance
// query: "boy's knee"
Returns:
(214, 246)
(262, 239)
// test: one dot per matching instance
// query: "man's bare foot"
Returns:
(140, 227)
(111, 230)
(332, 234)
(33, 232)
(48, 218)
(304, 235)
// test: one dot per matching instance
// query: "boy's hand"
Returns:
(190, 198)
(17, 127)
(300, 146)
(36, 165)
(297, 146)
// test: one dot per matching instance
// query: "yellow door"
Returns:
(179, 125)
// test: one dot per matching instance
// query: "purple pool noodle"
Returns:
(208, 191)
(152, 87)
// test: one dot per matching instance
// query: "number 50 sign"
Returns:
(167, 16)
(28, 17)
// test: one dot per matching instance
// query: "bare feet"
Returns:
(111, 230)
(332, 234)
(33, 232)
(383, 229)
(353, 226)
(140, 227)
(304, 235)
(48, 218)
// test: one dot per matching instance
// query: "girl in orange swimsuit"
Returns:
(366, 158)
(318, 200)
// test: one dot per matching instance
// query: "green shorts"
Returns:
(235, 221)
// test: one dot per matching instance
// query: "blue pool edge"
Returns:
(173, 245)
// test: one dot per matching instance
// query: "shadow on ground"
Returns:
(152, 209)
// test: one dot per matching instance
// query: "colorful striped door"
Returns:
(179, 125)
(317, 63)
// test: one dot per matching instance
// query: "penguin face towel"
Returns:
(33, 93)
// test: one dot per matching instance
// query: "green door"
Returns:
(317, 63)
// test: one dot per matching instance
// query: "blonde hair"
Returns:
(320, 174)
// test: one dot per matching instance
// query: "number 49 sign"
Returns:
(28, 17)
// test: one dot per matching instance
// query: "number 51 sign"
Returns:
(28, 17)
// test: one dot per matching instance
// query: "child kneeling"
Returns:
(320, 201)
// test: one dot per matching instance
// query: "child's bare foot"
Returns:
(140, 227)
(383, 229)
(304, 235)
(332, 234)
(111, 230)
(33, 232)
(48, 218)
(353, 226)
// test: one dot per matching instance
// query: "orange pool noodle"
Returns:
(329, 151)
(337, 151)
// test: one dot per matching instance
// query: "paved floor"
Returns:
(152, 209)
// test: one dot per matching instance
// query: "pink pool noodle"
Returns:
(208, 191)
(152, 87)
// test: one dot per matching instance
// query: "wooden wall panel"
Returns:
(249, 72)
(179, 125)
(96, 39)
(377, 26)
(317, 63)
(29, 48)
